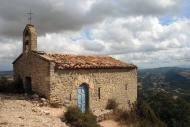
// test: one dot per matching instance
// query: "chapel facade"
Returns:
(87, 81)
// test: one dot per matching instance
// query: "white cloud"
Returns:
(129, 30)
(61, 15)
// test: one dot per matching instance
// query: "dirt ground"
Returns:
(112, 123)
(18, 111)
(109, 123)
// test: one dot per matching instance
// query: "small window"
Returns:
(26, 33)
(26, 46)
(126, 86)
(99, 93)
(70, 97)
(26, 43)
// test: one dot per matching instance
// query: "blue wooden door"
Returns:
(82, 98)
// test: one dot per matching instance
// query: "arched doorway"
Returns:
(83, 97)
(28, 85)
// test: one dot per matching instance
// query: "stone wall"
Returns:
(30, 65)
(30, 36)
(119, 84)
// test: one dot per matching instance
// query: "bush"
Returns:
(76, 118)
(146, 112)
(124, 116)
(149, 116)
(4, 80)
(10, 86)
(6, 85)
(140, 115)
(112, 104)
(127, 116)
(174, 112)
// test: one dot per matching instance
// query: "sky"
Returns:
(148, 33)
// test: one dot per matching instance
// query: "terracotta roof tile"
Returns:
(68, 61)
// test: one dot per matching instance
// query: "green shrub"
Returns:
(112, 104)
(127, 116)
(146, 123)
(4, 80)
(124, 116)
(174, 112)
(6, 85)
(140, 115)
(10, 86)
(76, 118)
(148, 115)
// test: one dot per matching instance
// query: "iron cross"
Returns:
(29, 16)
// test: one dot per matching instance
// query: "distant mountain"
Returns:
(185, 74)
(6, 73)
(166, 78)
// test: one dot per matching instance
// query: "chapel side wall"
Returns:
(30, 65)
(112, 84)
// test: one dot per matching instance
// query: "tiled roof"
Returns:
(68, 61)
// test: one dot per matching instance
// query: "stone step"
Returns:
(103, 114)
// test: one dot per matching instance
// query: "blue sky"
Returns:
(185, 9)
(166, 20)
(148, 33)
(183, 13)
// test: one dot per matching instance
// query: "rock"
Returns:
(34, 96)
(34, 110)
(22, 125)
(24, 105)
(47, 113)
(21, 117)
(37, 104)
(43, 99)
(45, 103)
(41, 104)
(3, 123)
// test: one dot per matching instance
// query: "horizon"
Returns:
(151, 36)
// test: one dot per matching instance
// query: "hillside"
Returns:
(170, 79)
(6, 73)
(167, 92)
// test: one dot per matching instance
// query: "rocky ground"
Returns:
(109, 123)
(22, 111)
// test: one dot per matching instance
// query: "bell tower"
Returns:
(29, 39)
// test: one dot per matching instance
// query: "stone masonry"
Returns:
(118, 84)
(31, 65)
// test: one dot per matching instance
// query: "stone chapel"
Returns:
(87, 81)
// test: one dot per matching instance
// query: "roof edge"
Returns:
(37, 53)
(130, 66)
(17, 58)
(40, 54)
